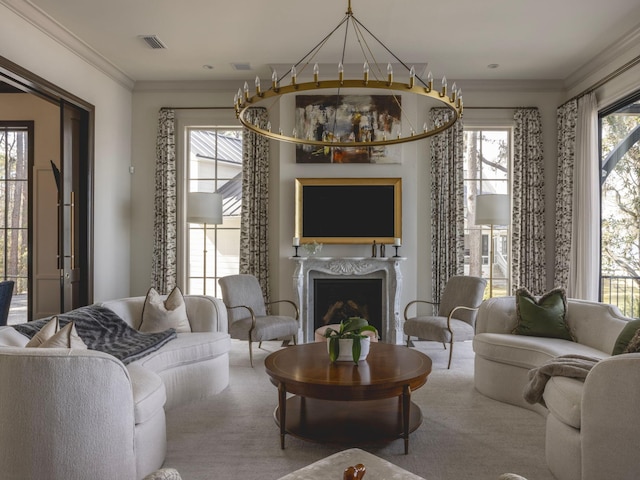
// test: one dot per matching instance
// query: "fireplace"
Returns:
(336, 299)
(379, 278)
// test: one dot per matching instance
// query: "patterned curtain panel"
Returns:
(528, 265)
(254, 258)
(447, 202)
(163, 269)
(566, 119)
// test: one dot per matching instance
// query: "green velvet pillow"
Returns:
(625, 337)
(544, 316)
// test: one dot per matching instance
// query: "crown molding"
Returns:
(605, 59)
(43, 22)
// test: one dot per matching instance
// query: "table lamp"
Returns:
(204, 208)
(492, 209)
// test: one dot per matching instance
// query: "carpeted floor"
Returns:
(464, 435)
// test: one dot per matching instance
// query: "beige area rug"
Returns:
(464, 435)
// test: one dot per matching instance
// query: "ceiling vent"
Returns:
(153, 41)
(242, 67)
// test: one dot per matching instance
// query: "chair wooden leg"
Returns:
(450, 354)
(250, 354)
(444, 345)
(293, 337)
(408, 340)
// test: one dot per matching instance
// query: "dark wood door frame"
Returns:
(28, 82)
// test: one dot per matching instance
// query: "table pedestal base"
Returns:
(348, 422)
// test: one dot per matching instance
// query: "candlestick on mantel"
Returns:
(296, 245)
(396, 244)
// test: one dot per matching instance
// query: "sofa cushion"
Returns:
(544, 316)
(625, 337)
(159, 314)
(563, 397)
(527, 352)
(149, 394)
(187, 348)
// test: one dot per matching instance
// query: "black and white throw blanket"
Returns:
(573, 366)
(101, 329)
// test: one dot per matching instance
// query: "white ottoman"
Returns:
(319, 333)
(333, 467)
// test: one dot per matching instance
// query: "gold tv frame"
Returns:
(397, 209)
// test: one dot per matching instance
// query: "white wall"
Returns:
(27, 46)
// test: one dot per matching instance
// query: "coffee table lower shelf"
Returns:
(347, 422)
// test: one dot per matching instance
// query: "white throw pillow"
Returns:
(52, 336)
(45, 333)
(159, 315)
(66, 337)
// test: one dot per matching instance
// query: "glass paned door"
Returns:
(14, 215)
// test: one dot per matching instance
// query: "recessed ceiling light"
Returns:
(207, 67)
(493, 65)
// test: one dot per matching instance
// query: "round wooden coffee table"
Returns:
(344, 403)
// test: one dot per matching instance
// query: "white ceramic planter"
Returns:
(346, 349)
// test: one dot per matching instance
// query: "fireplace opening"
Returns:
(338, 299)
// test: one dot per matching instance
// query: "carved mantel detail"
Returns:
(388, 269)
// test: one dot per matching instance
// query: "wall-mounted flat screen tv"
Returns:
(348, 210)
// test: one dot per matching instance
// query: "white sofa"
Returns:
(592, 426)
(80, 414)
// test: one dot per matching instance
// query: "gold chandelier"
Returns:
(451, 99)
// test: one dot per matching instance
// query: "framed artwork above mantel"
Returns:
(348, 118)
(348, 210)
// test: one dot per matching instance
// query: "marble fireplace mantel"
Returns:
(387, 269)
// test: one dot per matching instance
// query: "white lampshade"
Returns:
(492, 209)
(204, 207)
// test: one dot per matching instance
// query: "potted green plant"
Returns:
(350, 334)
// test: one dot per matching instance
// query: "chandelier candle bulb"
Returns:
(444, 87)
(258, 92)
(274, 81)
(316, 74)
(365, 71)
(412, 77)
(389, 74)
(246, 92)
(430, 81)
(454, 92)
(340, 73)
(294, 74)
(268, 126)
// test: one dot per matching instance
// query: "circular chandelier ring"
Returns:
(453, 103)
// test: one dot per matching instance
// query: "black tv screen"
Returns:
(352, 210)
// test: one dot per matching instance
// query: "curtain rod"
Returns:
(616, 73)
(496, 108)
(196, 108)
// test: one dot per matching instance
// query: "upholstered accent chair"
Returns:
(248, 319)
(456, 317)
(6, 293)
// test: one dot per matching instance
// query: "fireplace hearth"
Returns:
(337, 299)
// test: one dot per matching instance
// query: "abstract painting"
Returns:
(348, 118)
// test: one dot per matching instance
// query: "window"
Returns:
(14, 220)
(620, 205)
(487, 160)
(214, 164)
